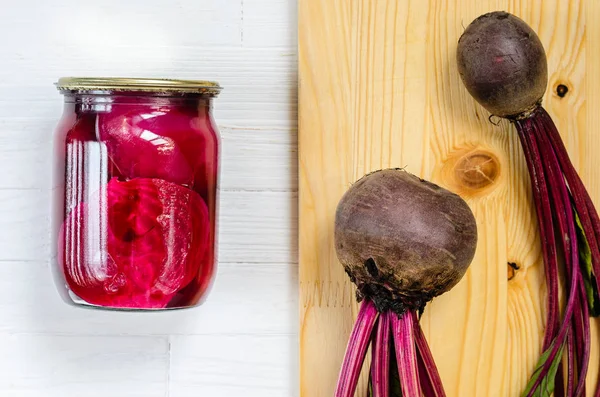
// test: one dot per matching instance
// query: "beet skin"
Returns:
(502, 63)
(403, 240)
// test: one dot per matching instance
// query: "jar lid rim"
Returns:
(69, 84)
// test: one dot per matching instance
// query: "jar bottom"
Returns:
(75, 300)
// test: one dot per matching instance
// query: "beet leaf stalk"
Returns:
(380, 365)
(503, 65)
(402, 240)
(547, 177)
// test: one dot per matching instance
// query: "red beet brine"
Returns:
(136, 173)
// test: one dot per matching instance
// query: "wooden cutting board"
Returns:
(379, 88)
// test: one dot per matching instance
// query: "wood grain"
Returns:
(379, 88)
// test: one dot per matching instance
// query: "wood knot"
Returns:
(561, 90)
(470, 171)
(477, 169)
(512, 270)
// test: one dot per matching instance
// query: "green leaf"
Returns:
(585, 262)
(546, 386)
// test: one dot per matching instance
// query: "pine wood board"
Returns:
(378, 88)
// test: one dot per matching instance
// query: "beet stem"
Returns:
(533, 133)
(584, 205)
(428, 372)
(380, 364)
(580, 340)
(570, 362)
(527, 129)
(356, 350)
(561, 205)
(559, 390)
(406, 355)
(546, 228)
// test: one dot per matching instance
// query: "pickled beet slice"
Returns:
(136, 244)
(143, 141)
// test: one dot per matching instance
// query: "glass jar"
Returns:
(135, 193)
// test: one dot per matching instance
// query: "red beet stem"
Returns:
(584, 205)
(544, 213)
(526, 129)
(356, 350)
(424, 381)
(568, 236)
(428, 372)
(416, 368)
(534, 134)
(580, 339)
(380, 365)
(559, 390)
(570, 365)
(404, 340)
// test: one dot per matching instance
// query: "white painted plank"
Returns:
(233, 366)
(260, 85)
(254, 227)
(258, 227)
(259, 160)
(82, 366)
(246, 299)
(24, 224)
(97, 29)
(269, 23)
(25, 152)
(251, 159)
(52, 349)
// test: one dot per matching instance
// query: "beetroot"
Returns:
(136, 244)
(403, 241)
(503, 65)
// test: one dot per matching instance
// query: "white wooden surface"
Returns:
(243, 340)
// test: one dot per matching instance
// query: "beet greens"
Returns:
(402, 240)
(503, 64)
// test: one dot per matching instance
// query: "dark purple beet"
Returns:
(403, 240)
(503, 65)
(502, 62)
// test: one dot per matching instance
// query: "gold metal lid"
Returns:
(66, 84)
